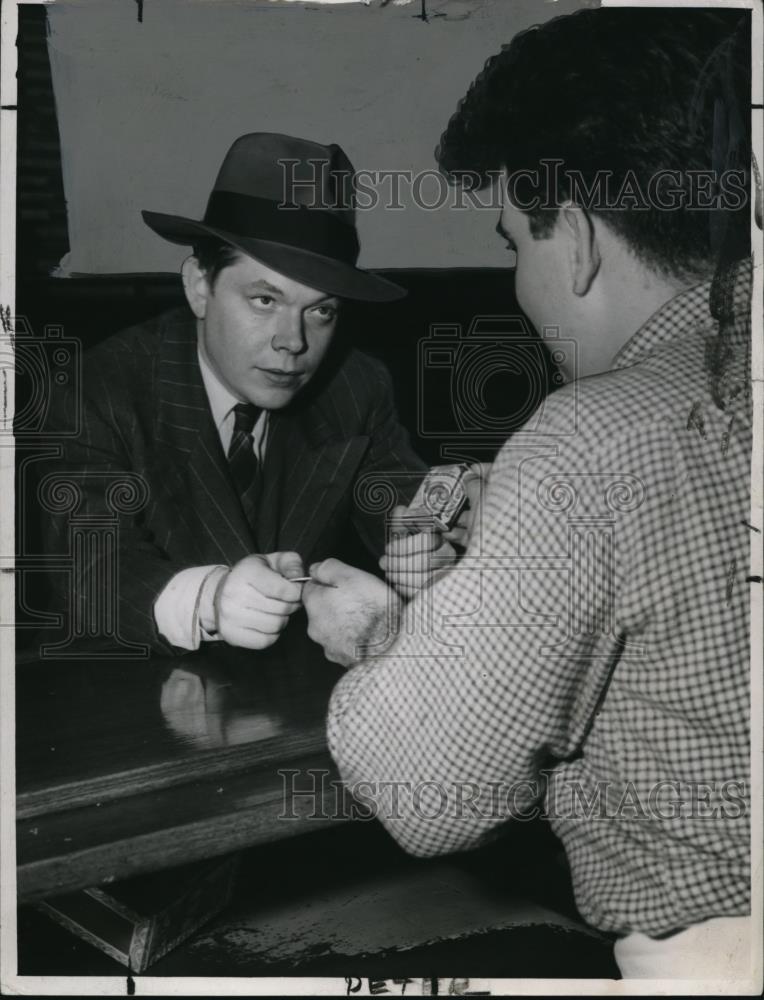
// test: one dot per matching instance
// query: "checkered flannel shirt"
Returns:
(589, 657)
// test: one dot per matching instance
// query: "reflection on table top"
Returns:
(125, 766)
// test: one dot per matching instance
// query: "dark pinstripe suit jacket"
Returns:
(145, 411)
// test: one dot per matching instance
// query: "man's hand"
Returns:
(254, 599)
(474, 485)
(347, 609)
(416, 550)
(419, 548)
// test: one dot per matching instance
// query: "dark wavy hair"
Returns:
(213, 255)
(605, 90)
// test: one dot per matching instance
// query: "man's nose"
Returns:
(290, 335)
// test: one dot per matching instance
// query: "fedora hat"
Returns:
(288, 203)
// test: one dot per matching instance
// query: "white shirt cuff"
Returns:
(184, 603)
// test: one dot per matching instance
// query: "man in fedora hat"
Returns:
(249, 426)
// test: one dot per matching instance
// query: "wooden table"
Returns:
(126, 767)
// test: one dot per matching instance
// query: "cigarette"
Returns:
(308, 579)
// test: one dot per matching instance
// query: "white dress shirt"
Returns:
(187, 600)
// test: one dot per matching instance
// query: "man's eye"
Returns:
(325, 313)
(263, 300)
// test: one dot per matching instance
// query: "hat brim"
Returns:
(326, 274)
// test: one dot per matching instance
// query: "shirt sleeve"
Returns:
(185, 603)
(497, 668)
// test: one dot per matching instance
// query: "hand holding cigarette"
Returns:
(255, 599)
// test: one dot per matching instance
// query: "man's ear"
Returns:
(196, 286)
(584, 249)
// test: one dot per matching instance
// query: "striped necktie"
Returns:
(242, 461)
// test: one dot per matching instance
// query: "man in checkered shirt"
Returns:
(589, 656)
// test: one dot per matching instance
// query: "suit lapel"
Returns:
(196, 475)
(308, 471)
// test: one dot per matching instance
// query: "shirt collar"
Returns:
(221, 399)
(684, 312)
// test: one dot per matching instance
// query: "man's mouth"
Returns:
(278, 376)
